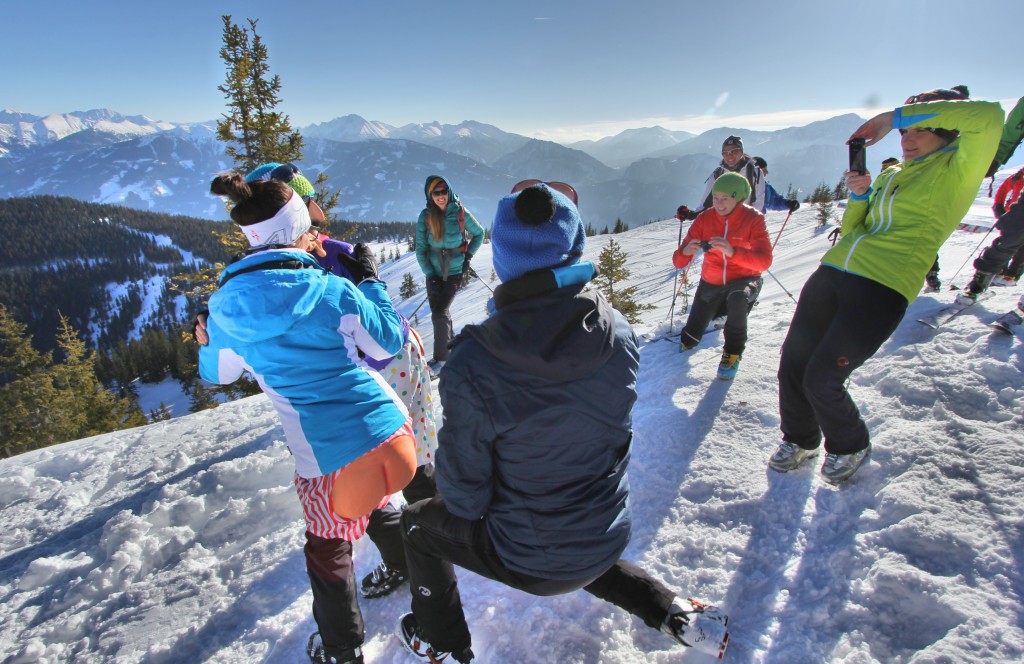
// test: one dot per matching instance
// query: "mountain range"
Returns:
(637, 176)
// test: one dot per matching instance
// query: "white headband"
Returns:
(285, 227)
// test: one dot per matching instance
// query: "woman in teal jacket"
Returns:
(447, 236)
(857, 297)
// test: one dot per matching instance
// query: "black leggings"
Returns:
(841, 320)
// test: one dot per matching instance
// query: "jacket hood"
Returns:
(263, 304)
(426, 188)
(560, 334)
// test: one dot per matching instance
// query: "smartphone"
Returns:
(858, 156)
(705, 245)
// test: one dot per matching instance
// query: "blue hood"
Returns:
(264, 304)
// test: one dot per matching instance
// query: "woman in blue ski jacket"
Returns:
(299, 331)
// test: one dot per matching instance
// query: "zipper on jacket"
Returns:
(882, 223)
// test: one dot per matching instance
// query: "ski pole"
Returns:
(953, 286)
(481, 280)
(781, 286)
(782, 229)
(675, 283)
(422, 302)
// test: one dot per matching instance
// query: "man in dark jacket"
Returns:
(531, 462)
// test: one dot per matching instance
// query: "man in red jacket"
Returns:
(737, 250)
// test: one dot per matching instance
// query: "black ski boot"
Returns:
(979, 284)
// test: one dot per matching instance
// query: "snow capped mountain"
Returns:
(347, 129)
(102, 156)
(475, 140)
(632, 144)
(24, 130)
(546, 160)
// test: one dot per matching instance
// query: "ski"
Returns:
(1008, 322)
(948, 313)
(674, 336)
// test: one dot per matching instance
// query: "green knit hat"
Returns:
(732, 184)
(287, 173)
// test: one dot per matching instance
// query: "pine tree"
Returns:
(160, 413)
(611, 264)
(42, 403)
(408, 287)
(619, 227)
(822, 198)
(83, 406)
(840, 192)
(255, 132)
(25, 393)
(201, 398)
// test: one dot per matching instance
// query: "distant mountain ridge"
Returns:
(638, 175)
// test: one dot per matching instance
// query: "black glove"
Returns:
(793, 204)
(361, 264)
(466, 267)
(992, 169)
(684, 213)
(999, 210)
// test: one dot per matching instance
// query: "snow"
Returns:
(181, 541)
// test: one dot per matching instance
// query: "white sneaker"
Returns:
(839, 467)
(789, 456)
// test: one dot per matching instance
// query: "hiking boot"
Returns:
(1004, 280)
(979, 284)
(839, 467)
(789, 456)
(728, 367)
(411, 636)
(932, 279)
(381, 581)
(701, 627)
(318, 652)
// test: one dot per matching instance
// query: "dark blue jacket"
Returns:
(538, 425)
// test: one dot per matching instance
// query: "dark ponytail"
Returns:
(253, 201)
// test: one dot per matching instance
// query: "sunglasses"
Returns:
(315, 232)
(561, 187)
(729, 153)
(439, 192)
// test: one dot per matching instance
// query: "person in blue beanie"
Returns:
(532, 457)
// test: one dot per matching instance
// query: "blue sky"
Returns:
(557, 69)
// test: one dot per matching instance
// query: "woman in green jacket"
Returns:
(857, 297)
(447, 236)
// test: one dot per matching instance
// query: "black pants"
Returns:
(436, 540)
(335, 604)
(841, 320)
(737, 297)
(1007, 248)
(440, 295)
(384, 528)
